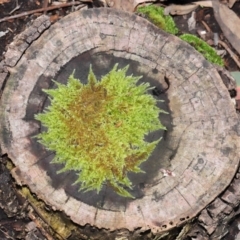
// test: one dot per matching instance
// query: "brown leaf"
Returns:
(4, 1)
(175, 9)
(127, 5)
(230, 3)
(54, 18)
(229, 23)
(192, 22)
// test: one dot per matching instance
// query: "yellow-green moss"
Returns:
(57, 223)
(156, 16)
(98, 129)
(201, 46)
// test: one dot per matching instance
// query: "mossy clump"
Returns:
(201, 46)
(156, 16)
(98, 129)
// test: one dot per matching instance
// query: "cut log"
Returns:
(197, 157)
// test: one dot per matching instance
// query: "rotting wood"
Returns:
(177, 81)
(213, 222)
(39, 226)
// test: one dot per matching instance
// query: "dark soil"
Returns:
(14, 209)
(15, 26)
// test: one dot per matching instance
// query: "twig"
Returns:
(39, 226)
(224, 45)
(6, 234)
(206, 26)
(16, 8)
(39, 10)
(231, 53)
(43, 219)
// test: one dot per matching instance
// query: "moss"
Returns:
(58, 225)
(98, 129)
(201, 46)
(157, 17)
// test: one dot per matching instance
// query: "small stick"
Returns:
(39, 10)
(39, 226)
(16, 8)
(43, 218)
(6, 234)
(231, 53)
(206, 26)
(224, 45)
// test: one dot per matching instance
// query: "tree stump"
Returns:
(197, 156)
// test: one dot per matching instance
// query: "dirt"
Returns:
(15, 26)
(14, 220)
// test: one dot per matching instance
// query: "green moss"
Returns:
(201, 46)
(98, 129)
(157, 17)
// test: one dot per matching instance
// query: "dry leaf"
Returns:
(54, 18)
(179, 9)
(229, 23)
(192, 22)
(4, 1)
(175, 9)
(56, 3)
(230, 3)
(203, 3)
(86, 1)
(127, 5)
(3, 33)
(221, 52)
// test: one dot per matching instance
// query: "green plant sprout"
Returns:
(98, 129)
(166, 23)
(201, 46)
(156, 16)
